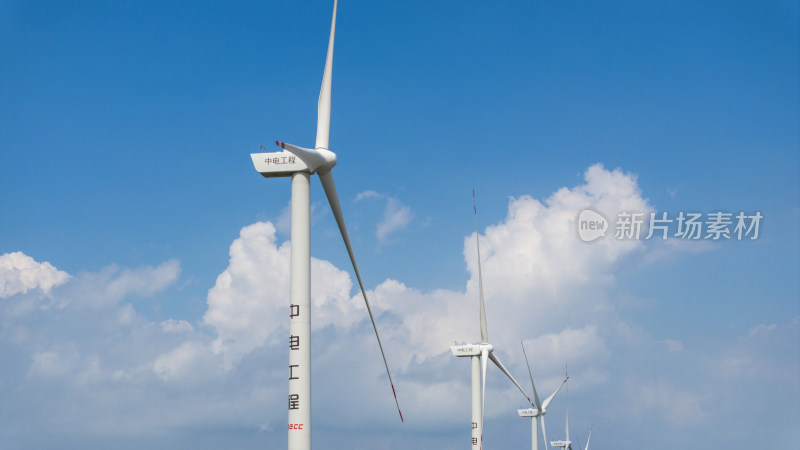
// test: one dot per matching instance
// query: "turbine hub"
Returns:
(329, 159)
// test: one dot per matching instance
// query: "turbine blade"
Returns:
(333, 198)
(550, 399)
(502, 367)
(484, 333)
(324, 104)
(535, 395)
(544, 432)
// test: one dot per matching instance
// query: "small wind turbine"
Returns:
(300, 163)
(480, 354)
(589, 438)
(565, 444)
(537, 414)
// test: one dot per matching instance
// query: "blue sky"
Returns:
(126, 129)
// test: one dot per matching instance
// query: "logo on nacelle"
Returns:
(466, 350)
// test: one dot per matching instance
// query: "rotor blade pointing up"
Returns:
(535, 395)
(550, 399)
(324, 104)
(333, 198)
(503, 368)
(484, 333)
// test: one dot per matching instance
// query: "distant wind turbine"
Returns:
(479, 355)
(537, 414)
(300, 163)
(589, 438)
(565, 444)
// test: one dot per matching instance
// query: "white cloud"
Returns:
(176, 326)
(368, 194)
(396, 217)
(762, 329)
(673, 345)
(191, 361)
(543, 285)
(144, 281)
(20, 273)
(250, 300)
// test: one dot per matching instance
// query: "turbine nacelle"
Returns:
(528, 412)
(293, 159)
(471, 349)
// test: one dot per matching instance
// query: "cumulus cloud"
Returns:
(176, 326)
(250, 299)
(396, 216)
(543, 286)
(143, 281)
(368, 194)
(20, 273)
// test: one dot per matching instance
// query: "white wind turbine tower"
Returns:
(537, 414)
(565, 444)
(300, 163)
(479, 355)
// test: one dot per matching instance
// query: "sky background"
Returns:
(144, 263)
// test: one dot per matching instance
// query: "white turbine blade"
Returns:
(484, 333)
(484, 361)
(544, 432)
(502, 367)
(324, 104)
(333, 198)
(550, 399)
(535, 395)
(312, 158)
(589, 438)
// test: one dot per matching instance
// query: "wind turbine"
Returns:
(300, 163)
(537, 414)
(589, 438)
(565, 444)
(479, 355)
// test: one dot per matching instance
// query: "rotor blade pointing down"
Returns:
(333, 198)
(544, 431)
(503, 368)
